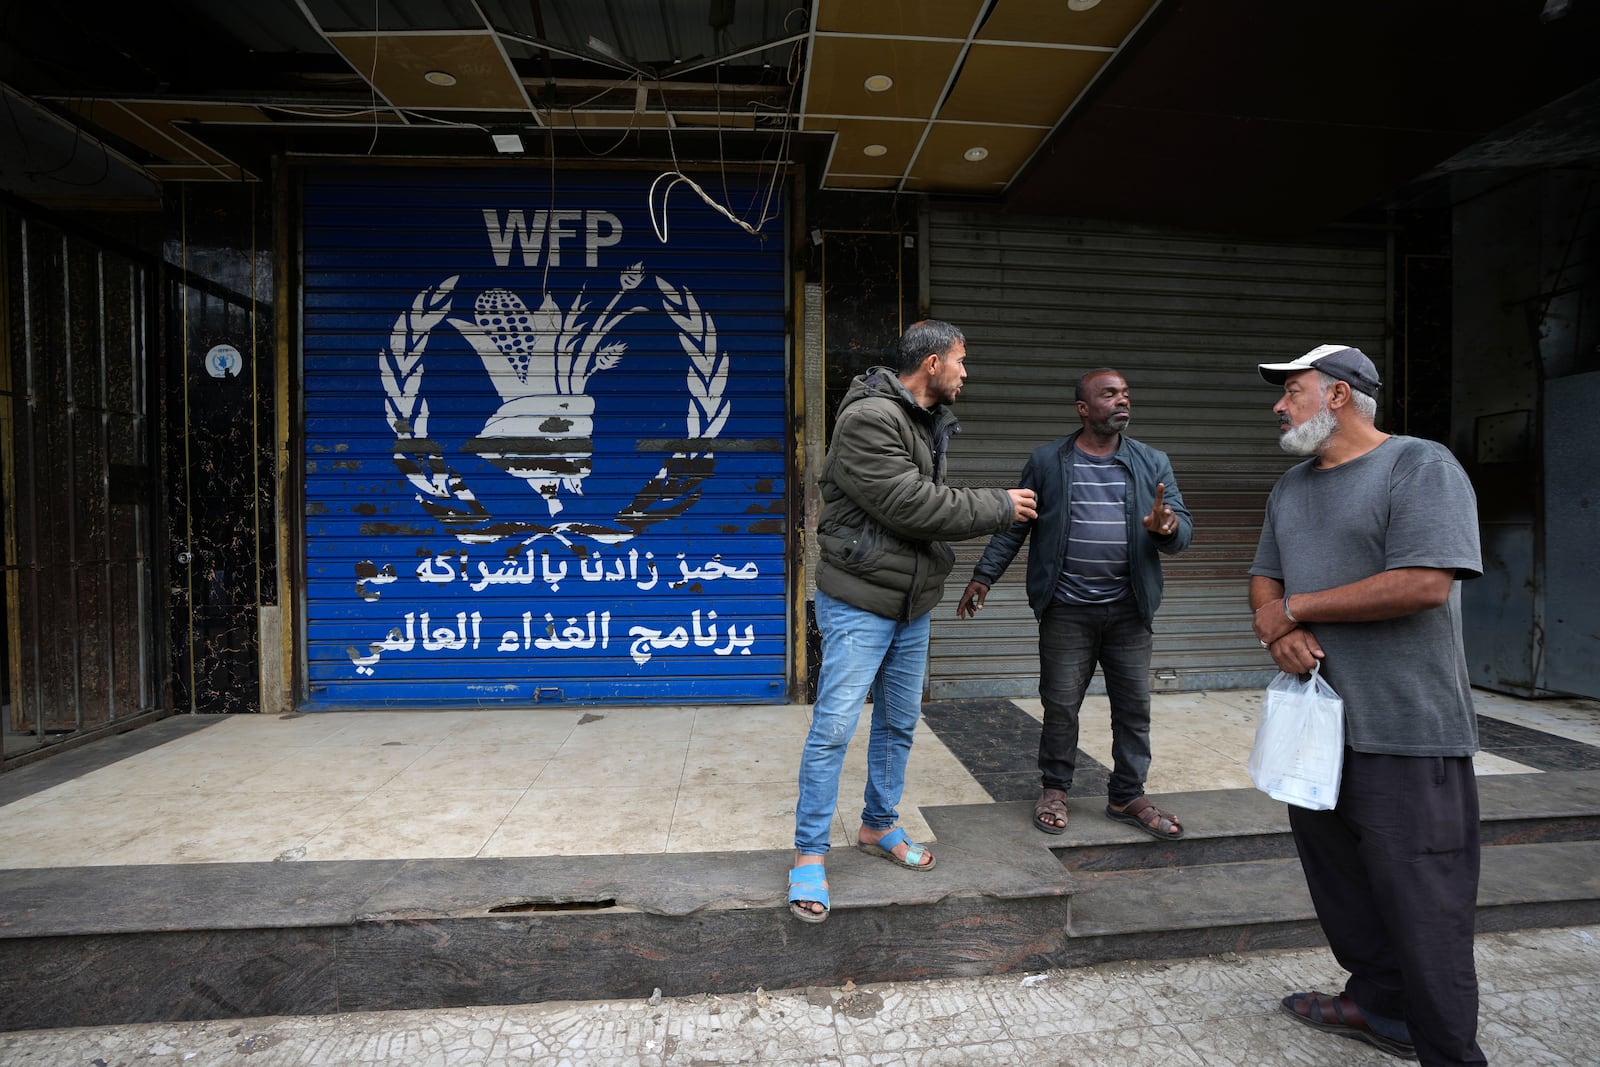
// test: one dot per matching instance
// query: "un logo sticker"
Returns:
(540, 363)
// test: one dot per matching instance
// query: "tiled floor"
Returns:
(530, 782)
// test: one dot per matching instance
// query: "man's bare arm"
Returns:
(1390, 595)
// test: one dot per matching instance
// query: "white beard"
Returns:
(1308, 438)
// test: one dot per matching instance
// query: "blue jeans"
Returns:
(1072, 639)
(861, 652)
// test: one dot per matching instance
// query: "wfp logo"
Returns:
(540, 363)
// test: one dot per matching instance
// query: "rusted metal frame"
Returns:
(796, 468)
(29, 569)
(139, 301)
(8, 490)
(108, 622)
(71, 481)
(288, 493)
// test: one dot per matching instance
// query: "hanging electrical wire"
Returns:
(658, 220)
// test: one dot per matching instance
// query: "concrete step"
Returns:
(104, 945)
(1237, 825)
(1195, 911)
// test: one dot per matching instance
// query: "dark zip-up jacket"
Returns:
(886, 512)
(1048, 473)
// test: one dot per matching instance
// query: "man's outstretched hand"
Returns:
(971, 601)
(1161, 520)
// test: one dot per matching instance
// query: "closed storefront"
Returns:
(544, 441)
(1185, 318)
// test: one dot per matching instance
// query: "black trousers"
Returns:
(1393, 873)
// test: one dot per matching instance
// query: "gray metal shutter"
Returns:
(1185, 318)
(544, 441)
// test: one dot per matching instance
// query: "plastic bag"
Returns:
(1299, 750)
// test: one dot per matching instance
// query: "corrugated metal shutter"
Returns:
(1185, 318)
(544, 449)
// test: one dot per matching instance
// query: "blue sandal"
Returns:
(805, 884)
(884, 847)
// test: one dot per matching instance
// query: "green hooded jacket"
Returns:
(886, 513)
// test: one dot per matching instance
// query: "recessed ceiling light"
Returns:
(1082, 5)
(972, 155)
(874, 150)
(439, 77)
(508, 142)
(878, 83)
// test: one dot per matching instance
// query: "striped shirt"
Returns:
(1095, 570)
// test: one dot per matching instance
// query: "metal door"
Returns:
(1185, 318)
(544, 441)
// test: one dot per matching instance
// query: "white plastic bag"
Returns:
(1299, 750)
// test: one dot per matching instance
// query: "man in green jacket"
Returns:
(886, 514)
(1109, 509)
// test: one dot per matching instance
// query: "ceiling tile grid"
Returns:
(989, 81)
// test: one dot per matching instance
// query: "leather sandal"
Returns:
(1149, 818)
(1341, 1015)
(1052, 804)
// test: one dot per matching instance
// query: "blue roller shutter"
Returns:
(544, 448)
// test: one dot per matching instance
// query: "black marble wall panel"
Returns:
(89, 981)
(869, 295)
(219, 403)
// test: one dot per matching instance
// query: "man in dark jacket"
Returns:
(1108, 506)
(886, 513)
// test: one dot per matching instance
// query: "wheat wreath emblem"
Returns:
(540, 362)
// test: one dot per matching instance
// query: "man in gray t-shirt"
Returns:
(1358, 570)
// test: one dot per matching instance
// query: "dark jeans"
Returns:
(1393, 872)
(1072, 639)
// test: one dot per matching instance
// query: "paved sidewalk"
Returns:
(1538, 987)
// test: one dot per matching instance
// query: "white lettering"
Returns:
(593, 241)
(554, 235)
(515, 230)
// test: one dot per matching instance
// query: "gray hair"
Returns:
(1366, 406)
(925, 338)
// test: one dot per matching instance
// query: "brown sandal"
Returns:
(1149, 818)
(1052, 802)
(1341, 1015)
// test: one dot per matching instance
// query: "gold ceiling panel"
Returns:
(728, 120)
(841, 65)
(1017, 76)
(918, 18)
(1053, 22)
(190, 172)
(942, 163)
(157, 127)
(897, 139)
(484, 80)
(1026, 86)
(863, 181)
(606, 120)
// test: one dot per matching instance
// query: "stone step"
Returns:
(1271, 891)
(1185, 911)
(105, 945)
(1239, 825)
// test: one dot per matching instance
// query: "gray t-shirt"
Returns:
(1407, 503)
